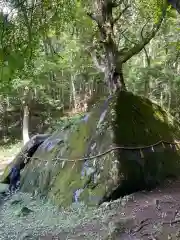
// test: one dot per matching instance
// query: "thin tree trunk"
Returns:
(169, 101)
(147, 63)
(25, 129)
(73, 93)
(5, 117)
(161, 99)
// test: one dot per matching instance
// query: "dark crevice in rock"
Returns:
(128, 188)
(22, 164)
(30, 153)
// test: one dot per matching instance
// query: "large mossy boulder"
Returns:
(75, 163)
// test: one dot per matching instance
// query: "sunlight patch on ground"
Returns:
(7, 154)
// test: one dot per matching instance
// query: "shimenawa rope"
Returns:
(140, 148)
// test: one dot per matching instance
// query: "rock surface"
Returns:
(70, 166)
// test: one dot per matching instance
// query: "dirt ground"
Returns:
(146, 215)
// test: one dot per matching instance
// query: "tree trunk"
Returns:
(170, 86)
(73, 93)
(4, 103)
(161, 99)
(112, 59)
(169, 101)
(25, 129)
(147, 63)
(118, 78)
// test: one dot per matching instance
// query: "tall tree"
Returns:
(109, 16)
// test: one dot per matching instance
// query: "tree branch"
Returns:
(120, 14)
(94, 18)
(127, 54)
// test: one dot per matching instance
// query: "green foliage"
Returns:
(45, 46)
(151, 9)
(66, 122)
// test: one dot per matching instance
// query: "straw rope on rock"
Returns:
(114, 150)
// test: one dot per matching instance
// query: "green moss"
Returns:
(141, 122)
(92, 197)
(70, 176)
(130, 121)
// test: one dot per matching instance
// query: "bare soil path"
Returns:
(147, 215)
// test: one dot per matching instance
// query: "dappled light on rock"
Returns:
(119, 149)
(91, 89)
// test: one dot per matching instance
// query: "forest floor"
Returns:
(7, 153)
(143, 215)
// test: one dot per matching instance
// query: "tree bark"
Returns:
(169, 100)
(109, 64)
(25, 104)
(73, 93)
(25, 129)
(147, 63)
(4, 103)
(112, 61)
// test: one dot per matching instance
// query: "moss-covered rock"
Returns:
(123, 120)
